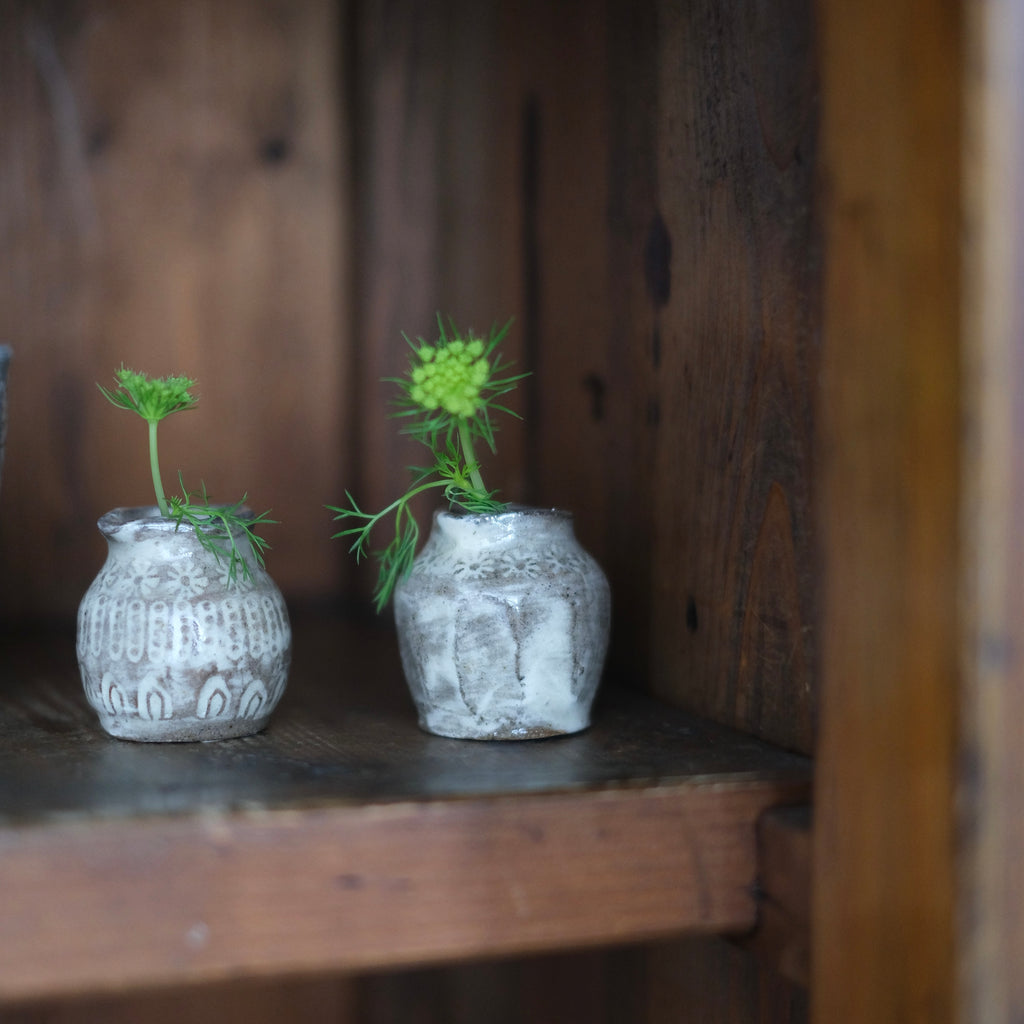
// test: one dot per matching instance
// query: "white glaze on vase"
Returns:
(168, 649)
(503, 626)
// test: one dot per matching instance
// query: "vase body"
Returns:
(503, 626)
(170, 650)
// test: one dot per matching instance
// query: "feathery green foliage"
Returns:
(216, 526)
(446, 401)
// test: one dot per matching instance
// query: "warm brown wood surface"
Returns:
(885, 899)
(632, 180)
(345, 838)
(783, 934)
(713, 356)
(118, 904)
(171, 192)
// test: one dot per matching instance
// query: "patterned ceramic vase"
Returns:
(169, 649)
(503, 626)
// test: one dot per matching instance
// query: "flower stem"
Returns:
(466, 443)
(154, 465)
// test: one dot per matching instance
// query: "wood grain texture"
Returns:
(631, 180)
(170, 187)
(344, 838)
(117, 904)
(714, 359)
(890, 499)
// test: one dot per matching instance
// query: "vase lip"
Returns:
(512, 513)
(137, 520)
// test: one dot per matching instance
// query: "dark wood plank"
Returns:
(738, 343)
(782, 938)
(563, 988)
(252, 1001)
(714, 359)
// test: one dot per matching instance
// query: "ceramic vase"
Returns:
(168, 647)
(503, 626)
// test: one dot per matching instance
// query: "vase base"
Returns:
(184, 730)
(501, 733)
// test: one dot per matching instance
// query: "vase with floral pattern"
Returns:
(503, 626)
(169, 647)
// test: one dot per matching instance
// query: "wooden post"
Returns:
(890, 488)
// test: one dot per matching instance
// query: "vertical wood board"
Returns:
(714, 335)
(889, 485)
(171, 187)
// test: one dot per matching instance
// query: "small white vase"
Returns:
(503, 626)
(170, 650)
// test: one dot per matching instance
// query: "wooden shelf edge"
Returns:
(122, 904)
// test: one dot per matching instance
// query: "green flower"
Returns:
(447, 398)
(153, 398)
(452, 388)
(450, 377)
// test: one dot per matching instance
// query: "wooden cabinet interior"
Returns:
(266, 196)
(758, 361)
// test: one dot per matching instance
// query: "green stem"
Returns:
(466, 443)
(154, 465)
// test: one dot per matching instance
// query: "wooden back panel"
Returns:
(171, 186)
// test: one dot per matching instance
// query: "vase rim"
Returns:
(512, 512)
(138, 518)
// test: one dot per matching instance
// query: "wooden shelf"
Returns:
(345, 838)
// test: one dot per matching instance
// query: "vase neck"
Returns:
(518, 526)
